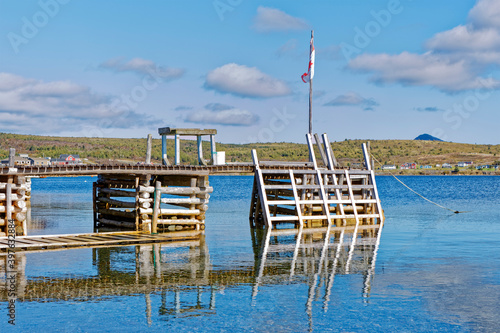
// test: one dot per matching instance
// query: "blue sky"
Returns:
(389, 69)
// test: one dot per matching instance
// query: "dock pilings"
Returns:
(14, 201)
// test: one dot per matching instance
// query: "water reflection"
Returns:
(315, 256)
(181, 275)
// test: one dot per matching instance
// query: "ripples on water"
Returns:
(432, 271)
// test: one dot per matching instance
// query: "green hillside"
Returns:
(100, 150)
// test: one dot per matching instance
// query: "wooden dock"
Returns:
(141, 200)
(124, 196)
(51, 242)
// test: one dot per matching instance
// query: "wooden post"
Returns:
(164, 158)
(366, 154)
(156, 207)
(8, 206)
(212, 148)
(94, 204)
(192, 206)
(296, 198)
(200, 150)
(321, 150)
(253, 205)
(148, 149)
(312, 158)
(332, 161)
(12, 157)
(177, 150)
(374, 183)
(262, 190)
(137, 195)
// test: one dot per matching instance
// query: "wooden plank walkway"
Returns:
(52, 242)
(94, 169)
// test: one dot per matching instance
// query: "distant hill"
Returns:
(105, 150)
(427, 137)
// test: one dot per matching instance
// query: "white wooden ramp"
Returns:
(316, 197)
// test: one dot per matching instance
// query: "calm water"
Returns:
(432, 270)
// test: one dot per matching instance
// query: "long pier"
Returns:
(143, 198)
(94, 169)
(151, 198)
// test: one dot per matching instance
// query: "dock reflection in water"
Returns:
(182, 275)
(315, 256)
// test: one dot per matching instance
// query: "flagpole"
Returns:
(310, 96)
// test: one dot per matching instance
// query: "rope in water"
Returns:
(420, 195)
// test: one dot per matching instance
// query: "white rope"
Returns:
(420, 195)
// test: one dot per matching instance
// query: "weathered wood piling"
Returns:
(14, 199)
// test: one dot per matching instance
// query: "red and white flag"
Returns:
(306, 77)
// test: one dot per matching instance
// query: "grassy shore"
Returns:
(100, 150)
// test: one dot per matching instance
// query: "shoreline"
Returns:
(438, 173)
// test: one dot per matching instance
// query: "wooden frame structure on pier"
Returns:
(177, 133)
(317, 197)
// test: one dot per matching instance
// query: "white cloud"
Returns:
(220, 114)
(465, 38)
(457, 59)
(38, 107)
(411, 69)
(353, 99)
(486, 13)
(10, 81)
(245, 81)
(142, 67)
(271, 19)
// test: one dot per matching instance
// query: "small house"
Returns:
(388, 167)
(464, 164)
(18, 161)
(409, 165)
(66, 159)
(38, 161)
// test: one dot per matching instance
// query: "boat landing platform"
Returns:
(54, 242)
